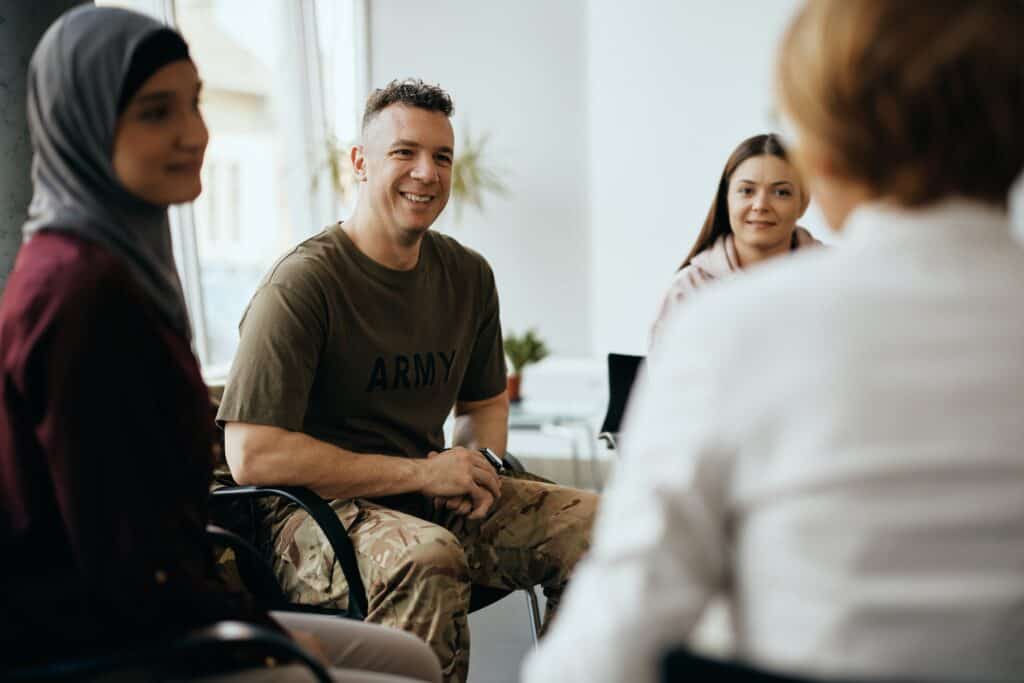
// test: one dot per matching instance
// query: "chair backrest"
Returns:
(622, 371)
(682, 665)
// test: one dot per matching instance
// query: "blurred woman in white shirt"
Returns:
(834, 444)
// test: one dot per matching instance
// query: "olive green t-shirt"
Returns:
(337, 346)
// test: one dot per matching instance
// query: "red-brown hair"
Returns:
(916, 100)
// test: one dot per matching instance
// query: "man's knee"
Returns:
(588, 510)
(573, 524)
(562, 524)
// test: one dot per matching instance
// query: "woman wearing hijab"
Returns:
(105, 430)
(752, 219)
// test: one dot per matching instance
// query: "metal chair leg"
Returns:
(595, 466)
(531, 600)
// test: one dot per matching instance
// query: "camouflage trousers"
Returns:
(418, 569)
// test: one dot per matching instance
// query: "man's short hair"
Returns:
(918, 100)
(412, 92)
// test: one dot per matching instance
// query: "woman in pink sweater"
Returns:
(752, 218)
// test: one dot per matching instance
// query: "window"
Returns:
(280, 79)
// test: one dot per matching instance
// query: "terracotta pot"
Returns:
(514, 384)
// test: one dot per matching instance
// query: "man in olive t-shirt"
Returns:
(353, 351)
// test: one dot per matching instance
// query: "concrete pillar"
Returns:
(22, 24)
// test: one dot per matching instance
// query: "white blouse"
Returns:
(836, 444)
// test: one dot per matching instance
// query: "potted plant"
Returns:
(339, 167)
(522, 350)
(471, 177)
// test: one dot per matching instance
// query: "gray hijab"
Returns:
(74, 83)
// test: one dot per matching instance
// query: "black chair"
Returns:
(681, 665)
(240, 517)
(253, 568)
(622, 372)
(191, 653)
(180, 658)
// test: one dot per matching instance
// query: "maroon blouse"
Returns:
(105, 463)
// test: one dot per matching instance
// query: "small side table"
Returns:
(565, 421)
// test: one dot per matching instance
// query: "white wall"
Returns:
(515, 69)
(612, 122)
(673, 87)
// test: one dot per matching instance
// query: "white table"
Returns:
(567, 421)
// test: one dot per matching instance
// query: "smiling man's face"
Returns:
(406, 164)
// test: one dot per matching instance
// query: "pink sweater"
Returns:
(717, 262)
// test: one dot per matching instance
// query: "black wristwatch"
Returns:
(496, 462)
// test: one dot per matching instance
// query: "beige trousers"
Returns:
(358, 652)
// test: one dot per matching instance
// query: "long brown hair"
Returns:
(717, 222)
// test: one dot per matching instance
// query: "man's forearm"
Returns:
(264, 456)
(482, 424)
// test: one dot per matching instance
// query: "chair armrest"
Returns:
(199, 645)
(270, 643)
(610, 439)
(318, 509)
(513, 464)
(253, 568)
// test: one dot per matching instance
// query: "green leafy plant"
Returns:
(522, 350)
(471, 178)
(339, 167)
